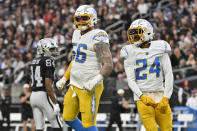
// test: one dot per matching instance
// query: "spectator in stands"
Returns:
(58, 37)
(191, 62)
(158, 14)
(176, 57)
(119, 103)
(192, 101)
(182, 97)
(8, 71)
(5, 108)
(26, 109)
(121, 82)
(186, 86)
(142, 7)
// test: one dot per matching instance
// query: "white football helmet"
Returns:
(47, 47)
(139, 32)
(85, 17)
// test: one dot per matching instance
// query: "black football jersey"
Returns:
(41, 68)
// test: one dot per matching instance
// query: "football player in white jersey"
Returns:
(149, 75)
(91, 63)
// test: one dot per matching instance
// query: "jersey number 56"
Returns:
(79, 56)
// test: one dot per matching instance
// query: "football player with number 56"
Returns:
(91, 63)
(149, 75)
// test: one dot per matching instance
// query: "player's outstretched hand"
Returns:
(60, 84)
(163, 105)
(56, 108)
(89, 85)
(147, 100)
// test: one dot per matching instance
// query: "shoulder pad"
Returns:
(167, 47)
(123, 52)
(160, 46)
(101, 35)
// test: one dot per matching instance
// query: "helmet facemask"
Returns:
(139, 35)
(51, 52)
(82, 22)
(140, 31)
(135, 35)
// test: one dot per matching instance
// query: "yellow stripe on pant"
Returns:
(151, 116)
(85, 102)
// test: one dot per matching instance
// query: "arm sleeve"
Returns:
(67, 73)
(130, 71)
(168, 74)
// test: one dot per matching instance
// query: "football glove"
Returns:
(56, 108)
(147, 100)
(163, 105)
(60, 84)
(89, 85)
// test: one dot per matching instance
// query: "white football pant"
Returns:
(42, 106)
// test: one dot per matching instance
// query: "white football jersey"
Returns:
(144, 66)
(85, 63)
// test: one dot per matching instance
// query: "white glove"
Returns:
(60, 84)
(94, 82)
(56, 108)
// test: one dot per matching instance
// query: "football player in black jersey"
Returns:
(42, 97)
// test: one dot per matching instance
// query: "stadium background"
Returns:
(24, 22)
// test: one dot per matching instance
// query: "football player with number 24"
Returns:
(149, 75)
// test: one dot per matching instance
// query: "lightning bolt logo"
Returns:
(93, 104)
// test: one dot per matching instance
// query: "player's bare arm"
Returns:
(50, 92)
(104, 55)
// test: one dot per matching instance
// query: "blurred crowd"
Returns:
(24, 22)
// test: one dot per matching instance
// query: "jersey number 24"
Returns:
(155, 68)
